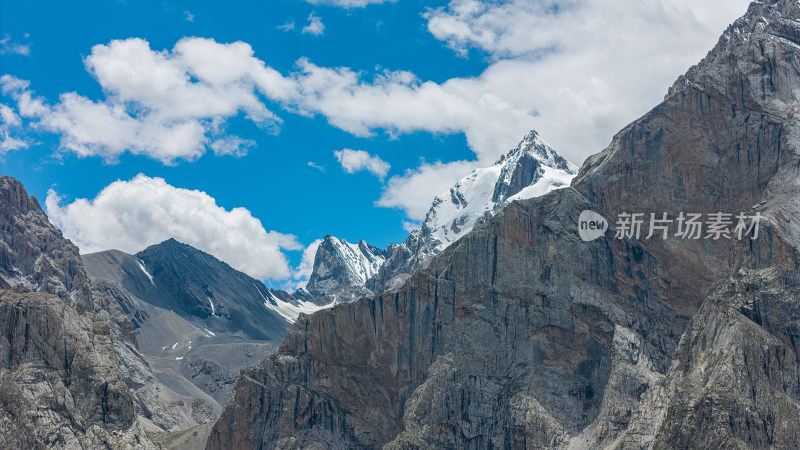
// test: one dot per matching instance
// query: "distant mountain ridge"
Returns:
(197, 320)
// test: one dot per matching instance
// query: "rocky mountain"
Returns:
(196, 320)
(341, 270)
(531, 169)
(68, 362)
(523, 335)
(196, 286)
(60, 379)
(345, 272)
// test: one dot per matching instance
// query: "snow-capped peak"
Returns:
(343, 268)
(531, 169)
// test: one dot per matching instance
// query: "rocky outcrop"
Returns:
(522, 335)
(60, 378)
(341, 270)
(35, 254)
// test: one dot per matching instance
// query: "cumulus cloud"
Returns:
(161, 104)
(357, 160)
(585, 67)
(315, 26)
(398, 102)
(9, 47)
(415, 190)
(131, 215)
(169, 105)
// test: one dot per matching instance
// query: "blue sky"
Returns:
(424, 91)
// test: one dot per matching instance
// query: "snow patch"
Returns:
(289, 311)
(150, 277)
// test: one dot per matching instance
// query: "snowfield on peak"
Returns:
(531, 169)
(362, 260)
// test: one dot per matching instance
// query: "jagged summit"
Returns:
(341, 270)
(531, 169)
(345, 272)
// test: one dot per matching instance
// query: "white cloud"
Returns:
(10, 122)
(315, 26)
(9, 47)
(131, 215)
(288, 26)
(587, 67)
(315, 166)
(410, 226)
(398, 102)
(9, 117)
(232, 145)
(306, 266)
(415, 190)
(357, 160)
(349, 3)
(160, 104)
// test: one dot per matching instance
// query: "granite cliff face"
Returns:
(53, 340)
(522, 335)
(60, 378)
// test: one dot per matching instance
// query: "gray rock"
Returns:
(520, 334)
(167, 292)
(341, 270)
(35, 254)
(61, 384)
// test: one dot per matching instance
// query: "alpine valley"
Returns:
(493, 325)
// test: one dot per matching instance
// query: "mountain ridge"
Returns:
(523, 335)
(528, 170)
